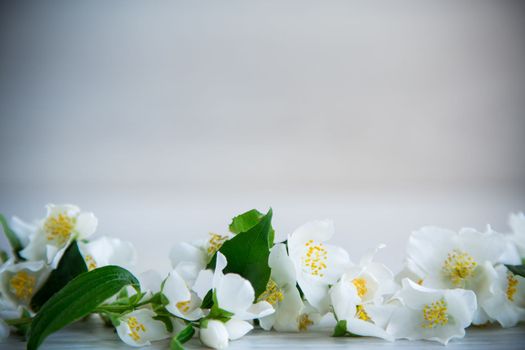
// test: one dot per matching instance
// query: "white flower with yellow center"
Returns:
(317, 264)
(445, 259)
(358, 296)
(108, 251)
(233, 294)
(20, 281)
(183, 302)
(139, 328)
(190, 258)
(506, 302)
(282, 293)
(431, 314)
(63, 224)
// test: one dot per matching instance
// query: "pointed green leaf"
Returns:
(517, 269)
(245, 221)
(70, 266)
(78, 299)
(247, 254)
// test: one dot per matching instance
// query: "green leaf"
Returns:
(216, 313)
(186, 334)
(70, 266)
(245, 221)
(340, 330)
(517, 269)
(247, 254)
(182, 337)
(175, 344)
(78, 299)
(11, 236)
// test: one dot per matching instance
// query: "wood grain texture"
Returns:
(92, 334)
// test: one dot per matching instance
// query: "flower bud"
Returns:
(214, 335)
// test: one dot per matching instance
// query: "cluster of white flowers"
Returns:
(450, 280)
(43, 244)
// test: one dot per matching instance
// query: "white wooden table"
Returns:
(92, 334)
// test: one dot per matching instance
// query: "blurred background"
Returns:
(166, 119)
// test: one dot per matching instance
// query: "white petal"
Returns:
(283, 270)
(364, 328)
(288, 311)
(234, 293)
(86, 225)
(188, 253)
(220, 264)
(260, 309)
(36, 249)
(236, 328)
(204, 283)
(344, 298)
(319, 231)
(23, 230)
(369, 257)
(427, 249)
(146, 328)
(214, 335)
(315, 292)
(150, 280)
(176, 291)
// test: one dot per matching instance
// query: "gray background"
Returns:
(168, 118)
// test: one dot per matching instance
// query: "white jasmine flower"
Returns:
(317, 265)
(63, 223)
(517, 223)
(358, 296)
(190, 258)
(431, 314)
(20, 281)
(214, 334)
(506, 302)
(139, 328)
(446, 259)
(108, 251)
(282, 293)
(183, 302)
(233, 294)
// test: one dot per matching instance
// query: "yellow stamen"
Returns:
(360, 285)
(458, 266)
(512, 286)
(59, 228)
(361, 313)
(435, 314)
(304, 322)
(90, 262)
(134, 328)
(315, 259)
(183, 306)
(420, 281)
(215, 243)
(272, 294)
(22, 285)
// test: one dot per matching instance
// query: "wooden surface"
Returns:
(93, 335)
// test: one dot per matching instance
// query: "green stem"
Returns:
(19, 321)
